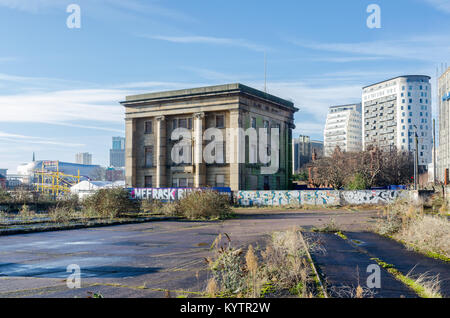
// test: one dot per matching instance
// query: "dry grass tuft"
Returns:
(281, 269)
(409, 224)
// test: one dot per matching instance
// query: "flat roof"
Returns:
(396, 78)
(346, 105)
(208, 90)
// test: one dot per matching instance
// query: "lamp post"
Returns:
(416, 158)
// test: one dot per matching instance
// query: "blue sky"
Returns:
(60, 88)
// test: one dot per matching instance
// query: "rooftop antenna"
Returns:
(34, 157)
(265, 72)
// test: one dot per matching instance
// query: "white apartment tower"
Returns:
(444, 125)
(395, 110)
(343, 129)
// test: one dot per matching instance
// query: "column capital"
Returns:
(199, 115)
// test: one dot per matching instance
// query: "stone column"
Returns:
(161, 175)
(130, 158)
(199, 165)
(234, 149)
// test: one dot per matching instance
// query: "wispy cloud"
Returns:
(149, 8)
(209, 40)
(6, 59)
(442, 5)
(35, 140)
(425, 48)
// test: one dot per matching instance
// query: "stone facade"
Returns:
(152, 119)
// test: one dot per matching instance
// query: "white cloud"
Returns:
(208, 40)
(63, 106)
(315, 100)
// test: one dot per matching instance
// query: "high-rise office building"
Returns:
(343, 129)
(444, 125)
(84, 158)
(394, 111)
(302, 152)
(117, 153)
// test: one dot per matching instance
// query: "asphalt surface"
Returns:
(155, 259)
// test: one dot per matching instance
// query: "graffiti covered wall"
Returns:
(315, 197)
(371, 196)
(278, 198)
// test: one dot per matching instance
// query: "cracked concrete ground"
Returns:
(141, 260)
(149, 259)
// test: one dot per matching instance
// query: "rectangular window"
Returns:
(266, 183)
(220, 121)
(182, 123)
(148, 127)
(253, 122)
(174, 124)
(220, 180)
(182, 183)
(149, 156)
(148, 182)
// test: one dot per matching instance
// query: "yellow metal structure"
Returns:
(50, 180)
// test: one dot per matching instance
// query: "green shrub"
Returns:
(61, 214)
(151, 206)
(5, 197)
(358, 182)
(158, 207)
(26, 213)
(110, 203)
(226, 266)
(70, 201)
(205, 204)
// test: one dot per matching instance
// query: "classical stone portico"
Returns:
(154, 120)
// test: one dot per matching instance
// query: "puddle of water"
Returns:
(81, 243)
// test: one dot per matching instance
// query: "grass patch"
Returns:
(424, 285)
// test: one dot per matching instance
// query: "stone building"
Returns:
(153, 144)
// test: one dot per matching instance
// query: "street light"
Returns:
(416, 158)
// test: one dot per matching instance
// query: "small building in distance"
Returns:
(151, 119)
(3, 175)
(114, 174)
(117, 152)
(302, 152)
(84, 158)
(317, 148)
